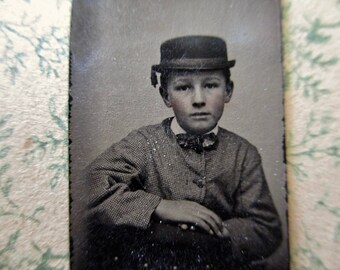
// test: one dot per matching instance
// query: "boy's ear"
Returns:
(229, 91)
(165, 96)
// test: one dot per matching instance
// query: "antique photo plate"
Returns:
(113, 46)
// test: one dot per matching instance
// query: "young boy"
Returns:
(186, 193)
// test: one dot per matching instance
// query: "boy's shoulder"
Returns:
(235, 141)
(147, 134)
(225, 134)
(149, 130)
(152, 129)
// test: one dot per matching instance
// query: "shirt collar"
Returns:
(177, 129)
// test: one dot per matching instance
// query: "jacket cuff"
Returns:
(143, 214)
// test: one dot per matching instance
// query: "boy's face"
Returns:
(197, 99)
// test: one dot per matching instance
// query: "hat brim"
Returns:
(194, 64)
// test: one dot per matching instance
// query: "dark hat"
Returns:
(192, 53)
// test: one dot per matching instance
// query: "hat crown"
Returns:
(193, 47)
(192, 53)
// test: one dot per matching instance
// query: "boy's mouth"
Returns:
(199, 115)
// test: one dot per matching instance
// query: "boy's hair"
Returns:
(167, 73)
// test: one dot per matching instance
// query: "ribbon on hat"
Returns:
(198, 143)
(154, 81)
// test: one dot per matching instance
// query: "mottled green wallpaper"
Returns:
(34, 85)
(34, 48)
(311, 62)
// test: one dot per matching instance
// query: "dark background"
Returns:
(114, 44)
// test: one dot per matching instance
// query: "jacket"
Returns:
(126, 183)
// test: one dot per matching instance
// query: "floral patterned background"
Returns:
(311, 37)
(34, 42)
(34, 207)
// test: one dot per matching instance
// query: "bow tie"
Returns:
(197, 142)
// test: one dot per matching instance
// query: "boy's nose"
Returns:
(198, 99)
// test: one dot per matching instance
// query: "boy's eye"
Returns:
(211, 85)
(183, 87)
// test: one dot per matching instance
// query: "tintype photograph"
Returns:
(177, 132)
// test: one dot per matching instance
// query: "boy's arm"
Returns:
(255, 230)
(115, 184)
(183, 211)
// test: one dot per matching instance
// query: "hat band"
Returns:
(195, 63)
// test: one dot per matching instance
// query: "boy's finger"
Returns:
(202, 224)
(212, 224)
(212, 214)
(217, 219)
(225, 232)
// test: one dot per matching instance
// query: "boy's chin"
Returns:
(199, 130)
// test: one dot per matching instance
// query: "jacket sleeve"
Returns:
(116, 181)
(255, 228)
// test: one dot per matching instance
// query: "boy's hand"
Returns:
(190, 212)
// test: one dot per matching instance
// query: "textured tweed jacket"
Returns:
(127, 182)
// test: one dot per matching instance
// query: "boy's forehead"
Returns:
(195, 73)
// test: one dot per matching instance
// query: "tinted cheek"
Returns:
(178, 105)
(218, 106)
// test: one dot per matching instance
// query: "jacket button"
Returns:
(199, 182)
